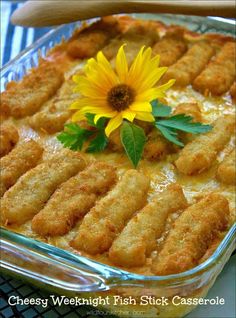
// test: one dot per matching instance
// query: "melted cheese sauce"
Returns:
(161, 173)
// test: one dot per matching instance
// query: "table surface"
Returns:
(13, 41)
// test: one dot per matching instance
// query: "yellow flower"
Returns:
(123, 93)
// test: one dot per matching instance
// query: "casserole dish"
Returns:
(66, 272)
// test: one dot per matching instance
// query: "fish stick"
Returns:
(220, 73)
(8, 138)
(92, 39)
(53, 118)
(211, 249)
(192, 234)
(189, 109)
(226, 172)
(21, 159)
(28, 196)
(73, 199)
(171, 47)
(190, 65)
(138, 238)
(27, 96)
(199, 154)
(233, 91)
(137, 35)
(108, 217)
(56, 111)
(157, 147)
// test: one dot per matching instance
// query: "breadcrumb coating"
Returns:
(226, 172)
(137, 35)
(199, 154)
(73, 199)
(192, 234)
(138, 238)
(8, 138)
(108, 217)
(220, 73)
(233, 91)
(171, 47)
(28, 196)
(93, 38)
(24, 98)
(190, 109)
(21, 159)
(190, 65)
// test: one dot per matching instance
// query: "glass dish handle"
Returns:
(49, 270)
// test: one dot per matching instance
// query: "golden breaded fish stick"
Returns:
(199, 154)
(28, 196)
(185, 70)
(226, 172)
(190, 109)
(53, 118)
(56, 111)
(157, 146)
(108, 217)
(138, 238)
(171, 47)
(139, 34)
(233, 91)
(192, 234)
(73, 199)
(8, 138)
(92, 39)
(220, 73)
(27, 96)
(21, 159)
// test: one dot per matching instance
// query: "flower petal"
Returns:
(129, 115)
(113, 123)
(96, 110)
(101, 73)
(145, 65)
(141, 106)
(145, 116)
(107, 115)
(136, 67)
(166, 86)
(121, 65)
(88, 88)
(77, 116)
(106, 66)
(86, 102)
(152, 78)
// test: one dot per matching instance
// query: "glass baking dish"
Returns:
(73, 275)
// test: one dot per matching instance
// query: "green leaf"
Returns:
(133, 140)
(73, 137)
(100, 123)
(184, 123)
(159, 109)
(99, 143)
(170, 134)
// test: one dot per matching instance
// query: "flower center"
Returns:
(120, 97)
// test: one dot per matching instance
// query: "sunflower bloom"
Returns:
(123, 93)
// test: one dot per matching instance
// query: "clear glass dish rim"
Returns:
(101, 268)
(221, 249)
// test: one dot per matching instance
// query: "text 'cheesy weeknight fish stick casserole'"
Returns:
(148, 114)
